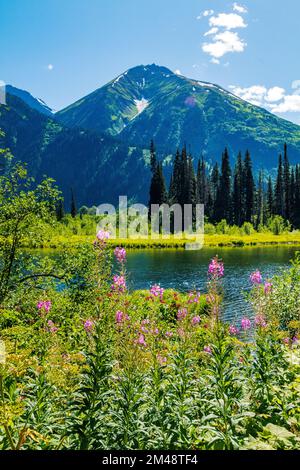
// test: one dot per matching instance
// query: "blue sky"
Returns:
(61, 50)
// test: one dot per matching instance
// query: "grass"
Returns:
(221, 240)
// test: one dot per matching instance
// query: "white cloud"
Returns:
(50, 67)
(290, 104)
(208, 13)
(211, 31)
(296, 87)
(222, 37)
(223, 43)
(205, 14)
(239, 8)
(228, 21)
(275, 94)
(254, 94)
(177, 72)
(274, 99)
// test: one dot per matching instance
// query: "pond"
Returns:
(185, 270)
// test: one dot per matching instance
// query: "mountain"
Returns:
(150, 101)
(34, 103)
(98, 168)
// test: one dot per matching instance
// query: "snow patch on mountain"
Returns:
(141, 105)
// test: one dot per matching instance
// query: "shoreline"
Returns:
(219, 241)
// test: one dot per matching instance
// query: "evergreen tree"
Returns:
(260, 201)
(223, 209)
(296, 212)
(279, 189)
(201, 182)
(286, 183)
(176, 180)
(60, 210)
(292, 197)
(214, 185)
(270, 198)
(249, 188)
(152, 157)
(237, 197)
(158, 194)
(73, 205)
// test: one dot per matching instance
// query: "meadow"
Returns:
(86, 363)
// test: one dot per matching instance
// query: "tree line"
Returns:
(230, 193)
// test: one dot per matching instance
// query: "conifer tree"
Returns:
(279, 189)
(73, 205)
(60, 211)
(286, 183)
(152, 156)
(223, 208)
(270, 198)
(249, 188)
(237, 197)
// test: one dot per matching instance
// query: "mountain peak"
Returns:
(35, 103)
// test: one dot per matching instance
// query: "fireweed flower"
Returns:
(196, 320)
(119, 283)
(44, 306)
(88, 326)
(161, 359)
(121, 317)
(182, 313)
(216, 268)
(256, 278)
(157, 291)
(233, 330)
(120, 254)
(245, 324)
(295, 340)
(268, 287)
(103, 235)
(194, 297)
(141, 340)
(260, 321)
(207, 349)
(51, 327)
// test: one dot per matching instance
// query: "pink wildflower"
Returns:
(256, 277)
(119, 283)
(44, 306)
(233, 330)
(141, 340)
(268, 288)
(169, 334)
(157, 291)
(216, 268)
(286, 340)
(51, 327)
(245, 323)
(103, 235)
(182, 313)
(120, 254)
(88, 326)
(196, 320)
(207, 349)
(260, 321)
(161, 359)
